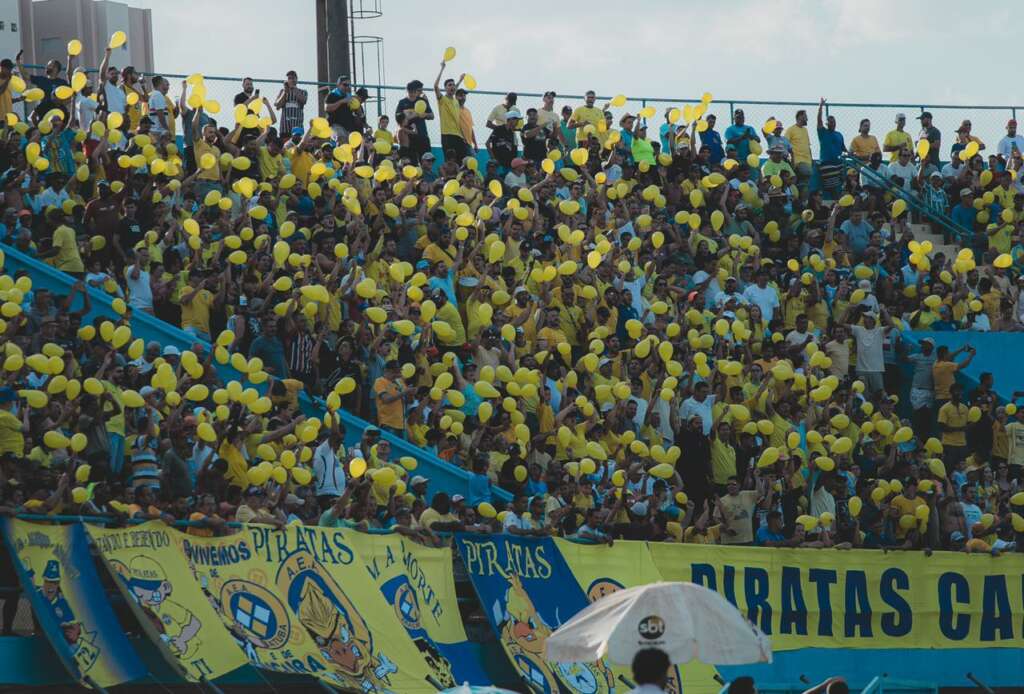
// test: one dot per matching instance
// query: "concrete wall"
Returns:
(10, 28)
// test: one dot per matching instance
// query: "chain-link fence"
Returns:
(988, 122)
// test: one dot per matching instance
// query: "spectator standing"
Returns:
(416, 118)
(898, 138)
(1012, 141)
(740, 135)
(830, 149)
(864, 144)
(930, 133)
(291, 102)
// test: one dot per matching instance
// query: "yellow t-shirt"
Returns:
(115, 422)
(587, 114)
(898, 138)
(68, 258)
(389, 414)
(12, 440)
(237, 465)
(448, 109)
(302, 162)
(196, 313)
(723, 461)
(271, 165)
(430, 516)
(801, 141)
(943, 375)
(954, 415)
(203, 147)
(864, 145)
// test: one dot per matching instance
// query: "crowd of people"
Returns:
(680, 336)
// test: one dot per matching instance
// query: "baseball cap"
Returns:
(966, 191)
(901, 116)
(1012, 121)
(519, 161)
(171, 351)
(418, 479)
(294, 500)
(925, 114)
(297, 130)
(456, 498)
(928, 340)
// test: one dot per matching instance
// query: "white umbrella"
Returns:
(685, 620)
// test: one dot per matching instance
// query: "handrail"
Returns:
(912, 200)
(451, 477)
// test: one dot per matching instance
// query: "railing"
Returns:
(443, 476)
(988, 121)
(913, 201)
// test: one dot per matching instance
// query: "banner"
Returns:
(417, 581)
(60, 580)
(167, 599)
(861, 599)
(528, 591)
(600, 570)
(300, 600)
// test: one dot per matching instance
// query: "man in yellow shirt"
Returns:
(898, 139)
(196, 303)
(864, 144)
(953, 423)
(206, 139)
(944, 370)
(802, 160)
(453, 144)
(586, 115)
(389, 392)
(12, 429)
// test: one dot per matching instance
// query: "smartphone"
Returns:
(257, 92)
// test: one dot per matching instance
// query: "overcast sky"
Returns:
(863, 50)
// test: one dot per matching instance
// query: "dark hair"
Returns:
(742, 685)
(650, 666)
(415, 84)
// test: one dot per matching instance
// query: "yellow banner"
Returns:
(418, 583)
(167, 599)
(301, 600)
(859, 599)
(601, 570)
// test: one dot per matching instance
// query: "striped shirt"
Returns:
(300, 353)
(291, 112)
(145, 470)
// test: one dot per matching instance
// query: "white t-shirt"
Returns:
(328, 471)
(1007, 144)
(140, 293)
(766, 299)
(690, 407)
(157, 102)
(117, 100)
(870, 356)
(908, 172)
(86, 111)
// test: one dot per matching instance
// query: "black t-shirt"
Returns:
(242, 97)
(343, 115)
(129, 233)
(48, 85)
(534, 148)
(503, 144)
(418, 123)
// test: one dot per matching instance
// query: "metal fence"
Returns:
(988, 121)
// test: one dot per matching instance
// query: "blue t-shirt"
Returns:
(766, 535)
(713, 141)
(963, 216)
(830, 142)
(743, 146)
(271, 351)
(858, 235)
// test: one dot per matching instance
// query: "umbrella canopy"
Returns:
(685, 620)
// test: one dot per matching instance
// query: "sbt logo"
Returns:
(652, 627)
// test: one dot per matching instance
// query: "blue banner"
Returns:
(60, 580)
(528, 591)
